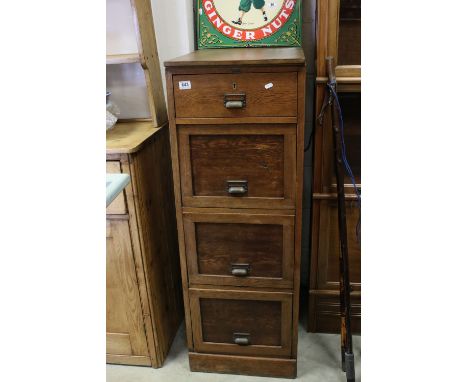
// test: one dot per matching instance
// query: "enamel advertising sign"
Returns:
(244, 23)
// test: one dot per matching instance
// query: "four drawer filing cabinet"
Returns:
(237, 137)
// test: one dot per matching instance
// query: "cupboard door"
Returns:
(238, 166)
(125, 330)
(241, 322)
(329, 245)
(241, 249)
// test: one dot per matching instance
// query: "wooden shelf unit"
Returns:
(143, 288)
(324, 304)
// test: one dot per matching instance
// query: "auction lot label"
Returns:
(243, 23)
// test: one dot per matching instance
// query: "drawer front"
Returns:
(240, 249)
(241, 322)
(238, 166)
(235, 95)
(118, 205)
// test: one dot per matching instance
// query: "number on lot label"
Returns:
(185, 85)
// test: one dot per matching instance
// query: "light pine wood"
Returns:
(152, 244)
(127, 58)
(191, 152)
(124, 315)
(128, 137)
(146, 39)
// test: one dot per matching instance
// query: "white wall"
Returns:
(173, 22)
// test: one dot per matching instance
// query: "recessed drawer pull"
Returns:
(237, 187)
(235, 101)
(242, 339)
(240, 270)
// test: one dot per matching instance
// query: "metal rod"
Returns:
(347, 356)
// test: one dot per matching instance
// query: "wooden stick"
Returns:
(347, 356)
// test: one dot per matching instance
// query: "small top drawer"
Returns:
(236, 95)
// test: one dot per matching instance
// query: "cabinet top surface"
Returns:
(128, 137)
(240, 56)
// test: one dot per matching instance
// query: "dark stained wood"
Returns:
(271, 122)
(265, 367)
(178, 207)
(206, 96)
(221, 245)
(256, 158)
(266, 316)
(239, 57)
(260, 319)
(324, 312)
(262, 155)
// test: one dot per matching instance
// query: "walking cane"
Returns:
(347, 356)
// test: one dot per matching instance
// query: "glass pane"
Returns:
(349, 34)
(351, 109)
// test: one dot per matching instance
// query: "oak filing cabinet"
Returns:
(236, 127)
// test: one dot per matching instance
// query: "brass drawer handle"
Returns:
(237, 187)
(240, 270)
(235, 100)
(242, 339)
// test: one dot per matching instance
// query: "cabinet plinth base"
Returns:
(257, 366)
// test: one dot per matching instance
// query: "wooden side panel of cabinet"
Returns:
(150, 170)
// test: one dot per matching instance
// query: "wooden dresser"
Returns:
(143, 289)
(237, 132)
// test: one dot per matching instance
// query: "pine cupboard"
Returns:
(144, 300)
(237, 132)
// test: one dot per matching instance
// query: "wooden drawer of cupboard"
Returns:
(235, 95)
(240, 249)
(241, 322)
(238, 166)
(118, 205)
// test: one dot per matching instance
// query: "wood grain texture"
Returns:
(124, 315)
(206, 96)
(215, 241)
(324, 312)
(262, 155)
(328, 245)
(178, 206)
(128, 137)
(238, 312)
(133, 360)
(154, 201)
(210, 134)
(260, 366)
(239, 57)
(146, 39)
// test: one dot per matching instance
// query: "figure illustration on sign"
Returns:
(245, 6)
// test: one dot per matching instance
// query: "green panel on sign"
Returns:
(245, 23)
